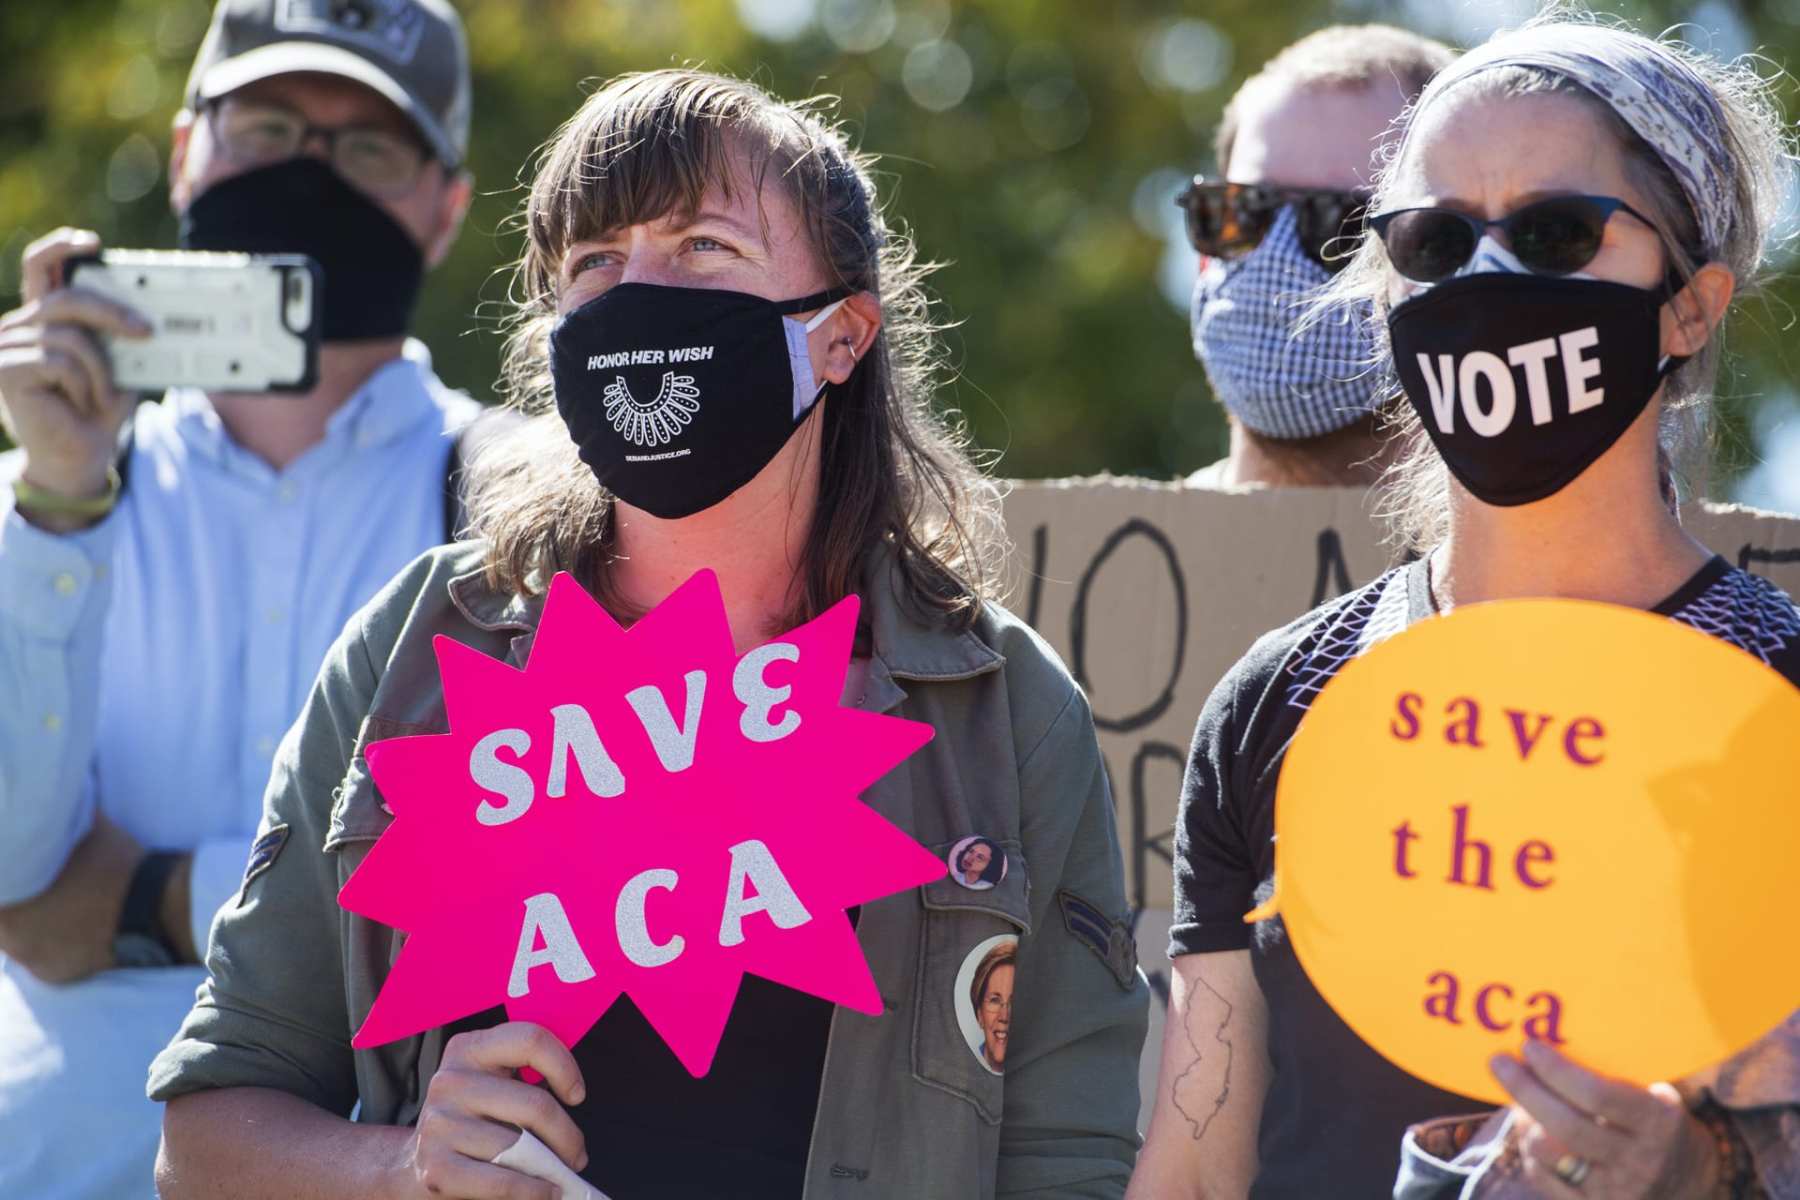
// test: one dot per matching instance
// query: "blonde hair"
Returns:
(895, 475)
(1006, 954)
(1415, 489)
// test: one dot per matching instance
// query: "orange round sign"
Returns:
(1546, 818)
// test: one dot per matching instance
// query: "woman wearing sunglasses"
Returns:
(1564, 222)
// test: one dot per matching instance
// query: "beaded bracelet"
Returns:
(1737, 1173)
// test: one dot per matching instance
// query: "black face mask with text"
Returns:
(1523, 381)
(677, 397)
(372, 266)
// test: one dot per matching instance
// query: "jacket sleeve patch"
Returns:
(1110, 940)
(262, 856)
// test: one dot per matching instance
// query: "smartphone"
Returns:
(222, 322)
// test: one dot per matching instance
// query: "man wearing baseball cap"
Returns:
(172, 573)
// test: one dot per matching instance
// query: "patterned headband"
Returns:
(1651, 89)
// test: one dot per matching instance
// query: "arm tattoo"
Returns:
(1203, 1121)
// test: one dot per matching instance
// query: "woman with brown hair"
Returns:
(791, 448)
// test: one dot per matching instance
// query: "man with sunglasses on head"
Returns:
(171, 574)
(1295, 149)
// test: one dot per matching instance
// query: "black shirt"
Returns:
(654, 1132)
(1336, 1110)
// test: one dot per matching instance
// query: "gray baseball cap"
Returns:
(412, 52)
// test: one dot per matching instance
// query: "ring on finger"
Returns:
(1572, 1169)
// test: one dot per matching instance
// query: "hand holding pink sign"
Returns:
(641, 812)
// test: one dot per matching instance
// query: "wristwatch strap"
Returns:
(142, 913)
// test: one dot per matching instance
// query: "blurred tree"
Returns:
(1034, 147)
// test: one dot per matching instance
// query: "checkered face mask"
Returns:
(1279, 382)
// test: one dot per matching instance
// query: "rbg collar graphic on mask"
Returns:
(372, 266)
(677, 397)
(1523, 381)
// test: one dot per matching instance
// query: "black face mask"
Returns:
(1523, 381)
(372, 267)
(677, 397)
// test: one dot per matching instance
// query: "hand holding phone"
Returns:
(58, 398)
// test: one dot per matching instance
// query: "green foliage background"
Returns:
(1045, 185)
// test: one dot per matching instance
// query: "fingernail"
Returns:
(1502, 1066)
(582, 1165)
(578, 1093)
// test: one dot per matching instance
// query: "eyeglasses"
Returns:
(1557, 236)
(1228, 220)
(376, 160)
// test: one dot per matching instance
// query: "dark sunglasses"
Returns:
(1557, 236)
(1229, 220)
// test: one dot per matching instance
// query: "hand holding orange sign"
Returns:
(1636, 1143)
(1567, 821)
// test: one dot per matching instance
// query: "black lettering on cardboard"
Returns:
(1078, 624)
(1332, 571)
(1748, 554)
(1142, 844)
(1040, 556)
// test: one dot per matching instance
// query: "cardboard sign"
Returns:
(1522, 819)
(637, 812)
(1151, 591)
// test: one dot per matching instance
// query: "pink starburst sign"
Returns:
(642, 812)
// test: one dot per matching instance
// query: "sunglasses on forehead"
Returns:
(1229, 220)
(1558, 236)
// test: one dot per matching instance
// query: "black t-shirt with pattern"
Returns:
(1336, 1110)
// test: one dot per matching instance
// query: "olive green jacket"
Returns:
(906, 1109)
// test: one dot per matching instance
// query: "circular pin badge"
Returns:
(977, 863)
(983, 999)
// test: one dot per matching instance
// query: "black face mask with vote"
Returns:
(1523, 381)
(372, 267)
(677, 397)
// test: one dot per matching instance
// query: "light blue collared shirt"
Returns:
(149, 665)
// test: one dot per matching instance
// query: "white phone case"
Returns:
(222, 322)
